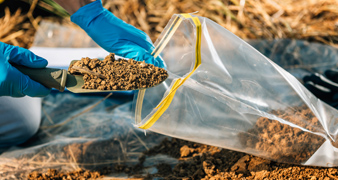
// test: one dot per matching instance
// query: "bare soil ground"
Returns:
(198, 161)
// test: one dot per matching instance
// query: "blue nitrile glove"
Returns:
(114, 35)
(12, 81)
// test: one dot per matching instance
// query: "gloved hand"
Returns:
(114, 35)
(324, 87)
(12, 81)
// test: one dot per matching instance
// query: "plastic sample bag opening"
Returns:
(223, 92)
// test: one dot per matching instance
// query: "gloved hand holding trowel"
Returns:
(106, 30)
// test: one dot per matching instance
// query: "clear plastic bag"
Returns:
(223, 92)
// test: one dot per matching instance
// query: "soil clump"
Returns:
(288, 141)
(117, 74)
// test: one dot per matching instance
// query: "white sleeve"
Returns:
(19, 119)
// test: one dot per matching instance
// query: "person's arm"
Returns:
(71, 6)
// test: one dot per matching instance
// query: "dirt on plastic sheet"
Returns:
(117, 74)
(283, 142)
(91, 152)
(55, 174)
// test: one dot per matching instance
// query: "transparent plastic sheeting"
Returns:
(223, 92)
(298, 57)
(82, 131)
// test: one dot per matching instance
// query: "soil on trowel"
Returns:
(290, 141)
(117, 74)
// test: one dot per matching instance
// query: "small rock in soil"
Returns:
(282, 142)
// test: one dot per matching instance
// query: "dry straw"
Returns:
(313, 20)
(19, 28)
(10, 27)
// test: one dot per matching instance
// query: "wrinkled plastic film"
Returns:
(238, 99)
(88, 132)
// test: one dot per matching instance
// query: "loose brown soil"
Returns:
(198, 161)
(54, 174)
(283, 142)
(117, 74)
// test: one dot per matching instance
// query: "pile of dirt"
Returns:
(285, 142)
(117, 74)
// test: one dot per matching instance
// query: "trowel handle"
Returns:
(49, 77)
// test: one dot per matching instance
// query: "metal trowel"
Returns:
(59, 79)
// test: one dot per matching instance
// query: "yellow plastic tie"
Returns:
(158, 49)
(165, 103)
(160, 111)
(164, 41)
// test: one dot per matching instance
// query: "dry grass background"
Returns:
(313, 20)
